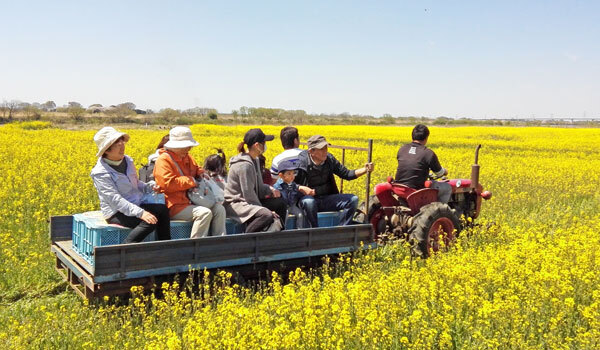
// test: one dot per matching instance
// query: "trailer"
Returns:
(119, 267)
(110, 270)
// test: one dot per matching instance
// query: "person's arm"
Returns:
(108, 193)
(436, 167)
(366, 169)
(169, 178)
(248, 183)
(302, 183)
(340, 170)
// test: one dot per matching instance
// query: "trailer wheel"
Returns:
(433, 228)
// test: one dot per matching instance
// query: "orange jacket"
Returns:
(172, 184)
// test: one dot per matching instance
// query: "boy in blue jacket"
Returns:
(289, 191)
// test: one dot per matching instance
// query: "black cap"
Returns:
(256, 135)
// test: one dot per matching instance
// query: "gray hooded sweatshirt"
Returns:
(244, 188)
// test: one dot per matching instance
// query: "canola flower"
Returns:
(526, 278)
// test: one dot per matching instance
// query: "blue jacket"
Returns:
(119, 192)
(289, 192)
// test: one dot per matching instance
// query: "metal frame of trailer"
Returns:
(119, 267)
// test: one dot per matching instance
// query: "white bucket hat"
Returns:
(105, 137)
(181, 137)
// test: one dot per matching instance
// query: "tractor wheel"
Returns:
(363, 214)
(434, 227)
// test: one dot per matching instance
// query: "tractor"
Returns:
(398, 211)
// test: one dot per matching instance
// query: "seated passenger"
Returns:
(120, 191)
(176, 172)
(289, 191)
(414, 162)
(247, 199)
(215, 168)
(147, 171)
(316, 168)
(290, 140)
(265, 173)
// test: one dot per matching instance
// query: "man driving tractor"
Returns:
(415, 161)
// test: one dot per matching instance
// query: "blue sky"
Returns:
(432, 58)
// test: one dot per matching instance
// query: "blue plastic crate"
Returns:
(325, 219)
(91, 230)
(233, 227)
(181, 229)
(329, 218)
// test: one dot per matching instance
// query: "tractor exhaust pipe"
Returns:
(475, 169)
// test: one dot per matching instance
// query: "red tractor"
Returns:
(415, 215)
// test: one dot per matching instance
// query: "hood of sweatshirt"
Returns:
(239, 158)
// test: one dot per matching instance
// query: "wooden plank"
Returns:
(67, 248)
(61, 228)
(67, 263)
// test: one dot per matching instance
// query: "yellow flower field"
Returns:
(525, 278)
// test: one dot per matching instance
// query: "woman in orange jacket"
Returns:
(175, 156)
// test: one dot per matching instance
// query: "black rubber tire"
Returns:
(424, 220)
(359, 216)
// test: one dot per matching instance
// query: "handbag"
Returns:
(202, 194)
(216, 190)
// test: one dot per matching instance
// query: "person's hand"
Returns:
(149, 218)
(369, 167)
(307, 191)
(275, 215)
(156, 188)
(276, 193)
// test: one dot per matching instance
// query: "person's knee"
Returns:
(264, 212)
(218, 210)
(308, 202)
(354, 202)
(200, 213)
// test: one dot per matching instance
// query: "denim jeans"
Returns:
(333, 202)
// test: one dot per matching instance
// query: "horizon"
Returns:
(507, 60)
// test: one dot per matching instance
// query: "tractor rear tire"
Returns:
(374, 205)
(435, 222)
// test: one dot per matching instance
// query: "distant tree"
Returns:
(11, 107)
(95, 105)
(128, 105)
(388, 119)
(49, 106)
(122, 110)
(77, 112)
(75, 104)
(212, 115)
(33, 112)
(170, 113)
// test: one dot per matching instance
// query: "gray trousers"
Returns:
(206, 221)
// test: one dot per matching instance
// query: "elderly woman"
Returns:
(121, 192)
(176, 172)
(247, 198)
